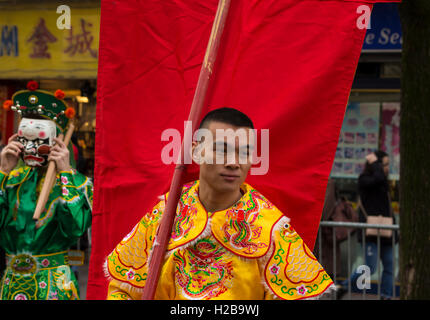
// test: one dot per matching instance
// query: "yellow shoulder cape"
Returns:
(252, 229)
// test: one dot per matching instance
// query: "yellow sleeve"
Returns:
(292, 272)
(127, 265)
(116, 293)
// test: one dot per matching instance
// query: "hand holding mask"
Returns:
(60, 154)
(10, 154)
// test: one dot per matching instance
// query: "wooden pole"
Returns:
(165, 229)
(50, 177)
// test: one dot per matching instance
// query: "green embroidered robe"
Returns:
(37, 265)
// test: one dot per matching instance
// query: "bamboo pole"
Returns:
(165, 229)
(50, 177)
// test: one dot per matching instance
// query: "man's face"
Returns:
(37, 136)
(225, 158)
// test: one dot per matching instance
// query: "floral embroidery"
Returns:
(21, 296)
(64, 191)
(64, 180)
(6, 281)
(301, 290)
(45, 262)
(116, 270)
(130, 274)
(54, 295)
(42, 284)
(274, 269)
(292, 271)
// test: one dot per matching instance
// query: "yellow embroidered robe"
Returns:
(249, 251)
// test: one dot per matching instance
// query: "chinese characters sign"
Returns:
(40, 39)
(80, 40)
(32, 45)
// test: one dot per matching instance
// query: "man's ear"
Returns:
(196, 152)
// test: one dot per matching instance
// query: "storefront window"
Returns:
(368, 126)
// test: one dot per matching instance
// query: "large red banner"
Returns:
(287, 64)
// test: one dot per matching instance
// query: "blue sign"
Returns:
(9, 41)
(385, 33)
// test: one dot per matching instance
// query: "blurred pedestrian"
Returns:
(373, 189)
(337, 209)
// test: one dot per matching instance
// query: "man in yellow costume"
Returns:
(228, 241)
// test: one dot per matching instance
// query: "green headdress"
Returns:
(48, 105)
(43, 103)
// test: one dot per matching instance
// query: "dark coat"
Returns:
(373, 189)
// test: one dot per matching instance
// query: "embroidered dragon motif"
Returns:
(240, 229)
(202, 270)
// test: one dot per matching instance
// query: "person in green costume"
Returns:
(36, 250)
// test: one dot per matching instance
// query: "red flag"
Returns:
(287, 64)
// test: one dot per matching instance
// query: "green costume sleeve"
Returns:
(74, 207)
(3, 197)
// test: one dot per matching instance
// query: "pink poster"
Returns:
(390, 137)
(358, 138)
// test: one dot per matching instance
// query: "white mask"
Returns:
(37, 136)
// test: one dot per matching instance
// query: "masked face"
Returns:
(37, 137)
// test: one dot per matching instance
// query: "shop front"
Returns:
(58, 47)
(372, 117)
(371, 122)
